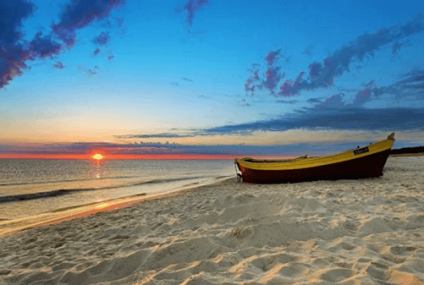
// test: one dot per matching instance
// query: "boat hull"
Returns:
(361, 167)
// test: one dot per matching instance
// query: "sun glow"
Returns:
(97, 156)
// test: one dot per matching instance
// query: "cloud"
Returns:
(314, 100)
(336, 113)
(327, 144)
(110, 57)
(187, 79)
(159, 135)
(96, 51)
(248, 85)
(13, 53)
(413, 82)
(192, 7)
(58, 65)
(271, 77)
(272, 57)
(16, 51)
(79, 14)
(89, 71)
(410, 86)
(42, 47)
(102, 39)
(322, 74)
(388, 119)
(243, 103)
(287, 101)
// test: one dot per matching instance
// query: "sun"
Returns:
(97, 156)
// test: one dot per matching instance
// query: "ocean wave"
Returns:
(63, 181)
(59, 192)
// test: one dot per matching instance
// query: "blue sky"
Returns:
(242, 77)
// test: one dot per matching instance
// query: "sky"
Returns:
(208, 78)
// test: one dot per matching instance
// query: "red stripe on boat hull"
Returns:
(363, 167)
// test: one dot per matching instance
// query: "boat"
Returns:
(361, 162)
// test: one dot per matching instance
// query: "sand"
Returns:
(368, 231)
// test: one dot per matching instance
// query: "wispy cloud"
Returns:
(89, 71)
(286, 101)
(158, 135)
(192, 7)
(332, 118)
(271, 77)
(243, 103)
(102, 39)
(58, 65)
(79, 14)
(322, 74)
(187, 79)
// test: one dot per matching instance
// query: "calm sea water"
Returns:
(33, 187)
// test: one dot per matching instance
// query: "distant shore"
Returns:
(417, 150)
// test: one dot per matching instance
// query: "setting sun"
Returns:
(97, 156)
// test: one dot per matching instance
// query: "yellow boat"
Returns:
(361, 162)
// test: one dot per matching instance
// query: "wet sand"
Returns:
(368, 231)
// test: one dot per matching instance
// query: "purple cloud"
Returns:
(272, 78)
(79, 14)
(192, 7)
(322, 74)
(248, 85)
(272, 57)
(110, 57)
(362, 97)
(102, 39)
(13, 53)
(42, 47)
(290, 87)
(96, 51)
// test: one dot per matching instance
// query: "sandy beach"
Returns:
(368, 231)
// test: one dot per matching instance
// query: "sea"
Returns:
(35, 187)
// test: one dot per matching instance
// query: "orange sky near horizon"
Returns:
(116, 156)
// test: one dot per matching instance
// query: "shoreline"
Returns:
(57, 216)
